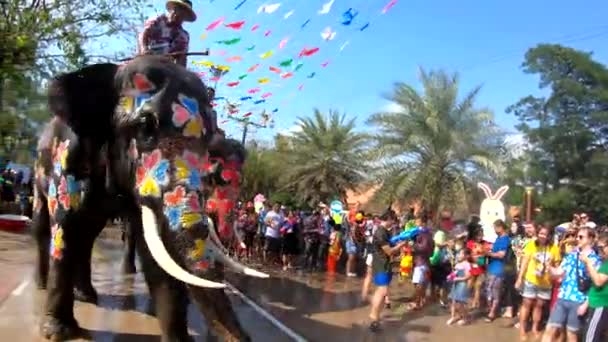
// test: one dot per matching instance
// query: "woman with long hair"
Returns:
(534, 279)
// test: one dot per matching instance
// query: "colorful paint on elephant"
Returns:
(181, 209)
(201, 255)
(186, 115)
(152, 174)
(188, 170)
(57, 244)
(224, 197)
(60, 155)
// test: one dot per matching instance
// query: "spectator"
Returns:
(597, 324)
(496, 268)
(572, 302)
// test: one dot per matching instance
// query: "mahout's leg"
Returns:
(41, 229)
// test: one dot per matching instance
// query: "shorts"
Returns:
(369, 259)
(564, 314)
(272, 245)
(382, 278)
(494, 287)
(420, 276)
(531, 291)
(597, 325)
(439, 274)
(351, 247)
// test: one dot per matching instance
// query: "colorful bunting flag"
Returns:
(253, 90)
(328, 34)
(274, 69)
(229, 41)
(286, 62)
(252, 68)
(232, 84)
(264, 80)
(389, 6)
(286, 74)
(349, 16)
(305, 23)
(215, 24)
(326, 8)
(288, 14)
(283, 42)
(251, 48)
(240, 4)
(269, 9)
(266, 95)
(237, 25)
(266, 54)
(242, 76)
(255, 27)
(308, 52)
(234, 59)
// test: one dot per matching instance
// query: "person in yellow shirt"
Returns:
(534, 279)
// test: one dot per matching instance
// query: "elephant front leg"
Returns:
(41, 229)
(60, 323)
(83, 285)
(168, 294)
(128, 261)
(217, 309)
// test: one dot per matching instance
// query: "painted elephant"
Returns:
(131, 140)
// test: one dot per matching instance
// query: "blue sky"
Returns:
(484, 41)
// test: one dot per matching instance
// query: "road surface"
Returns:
(289, 306)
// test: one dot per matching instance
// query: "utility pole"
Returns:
(246, 123)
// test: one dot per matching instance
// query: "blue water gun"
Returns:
(405, 235)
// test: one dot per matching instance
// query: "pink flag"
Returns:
(283, 42)
(234, 59)
(266, 95)
(286, 74)
(252, 69)
(255, 27)
(232, 84)
(215, 24)
(300, 87)
(324, 64)
(253, 90)
(267, 33)
(247, 114)
(389, 6)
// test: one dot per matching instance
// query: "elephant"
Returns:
(132, 140)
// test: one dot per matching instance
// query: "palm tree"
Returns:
(431, 147)
(324, 158)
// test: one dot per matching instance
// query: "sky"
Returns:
(484, 41)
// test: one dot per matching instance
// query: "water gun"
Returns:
(405, 235)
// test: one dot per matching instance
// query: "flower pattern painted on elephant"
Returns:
(152, 174)
(203, 257)
(142, 84)
(186, 114)
(57, 244)
(223, 199)
(188, 170)
(181, 209)
(60, 155)
(52, 197)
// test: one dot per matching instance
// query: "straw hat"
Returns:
(185, 4)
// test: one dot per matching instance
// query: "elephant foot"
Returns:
(88, 295)
(40, 285)
(128, 268)
(56, 330)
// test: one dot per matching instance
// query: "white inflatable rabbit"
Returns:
(492, 209)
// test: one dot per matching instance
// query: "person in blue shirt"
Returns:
(496, 268)
(571, 305)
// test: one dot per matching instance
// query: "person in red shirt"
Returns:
(164, 34)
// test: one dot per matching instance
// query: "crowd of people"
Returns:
(550, 282)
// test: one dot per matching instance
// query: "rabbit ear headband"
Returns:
(488, 192)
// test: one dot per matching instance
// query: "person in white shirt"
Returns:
(273, 222)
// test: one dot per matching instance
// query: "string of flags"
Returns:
(257, 75)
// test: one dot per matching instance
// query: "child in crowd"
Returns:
(335, 247)
(460, 293)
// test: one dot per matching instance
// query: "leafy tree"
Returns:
(568, 129)
(430, 147)
(323, 159)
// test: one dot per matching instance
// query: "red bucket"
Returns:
(14, 223)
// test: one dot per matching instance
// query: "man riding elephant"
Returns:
(164, 34)
(145, 126)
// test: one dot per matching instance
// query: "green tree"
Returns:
(429, 148)
(567, 130)
(323, 159)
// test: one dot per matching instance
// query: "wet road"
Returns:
(314, 306)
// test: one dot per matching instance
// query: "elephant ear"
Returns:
(85, 98)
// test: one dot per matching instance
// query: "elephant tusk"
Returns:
(226, 260)
(162, 257)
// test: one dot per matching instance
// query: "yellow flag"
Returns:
(263, 80)
(266, 54)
